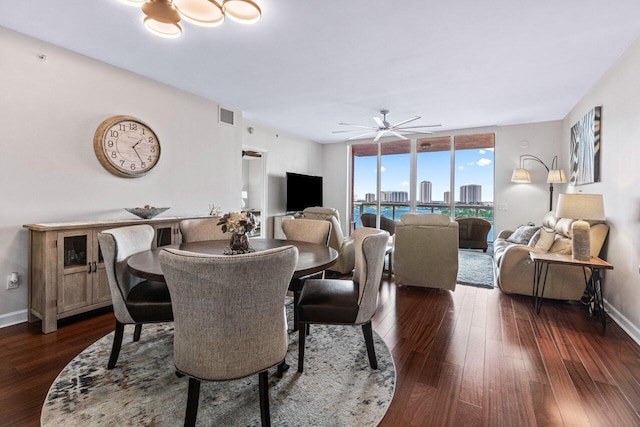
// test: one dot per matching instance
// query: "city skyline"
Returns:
(473, 167)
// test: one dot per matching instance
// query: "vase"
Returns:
(239, 242)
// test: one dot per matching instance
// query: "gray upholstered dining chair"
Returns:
(347, 302)
(304, 230)
(229, 317)
(135, 300)
(199, 229)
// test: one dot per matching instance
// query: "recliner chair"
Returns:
(337, 240)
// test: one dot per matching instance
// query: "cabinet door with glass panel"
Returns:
(82, 279)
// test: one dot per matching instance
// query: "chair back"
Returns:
(199, 229)
(387, 224)
(370, 246)
(307, 230)
(425, 251)
(118, 244)
(336, 238)
(228, 311)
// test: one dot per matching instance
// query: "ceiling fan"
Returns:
(384, 128)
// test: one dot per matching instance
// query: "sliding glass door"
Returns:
(448, 175)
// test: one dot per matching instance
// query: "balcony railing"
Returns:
(395, 210)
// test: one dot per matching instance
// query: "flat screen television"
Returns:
(303, 191)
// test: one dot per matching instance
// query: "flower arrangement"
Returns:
(237, 222)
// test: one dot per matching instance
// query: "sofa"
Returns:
(337, 240)
(514, 269)
(473, 233)
(425, 251)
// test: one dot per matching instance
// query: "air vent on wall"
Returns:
(226, 116)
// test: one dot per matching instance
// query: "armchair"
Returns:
(473, 233)
(337, 240)
(426, 251)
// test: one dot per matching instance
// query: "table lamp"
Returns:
(581, 207)
(244, 196)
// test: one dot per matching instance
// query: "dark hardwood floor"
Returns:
(470, 357)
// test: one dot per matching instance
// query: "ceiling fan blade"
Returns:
(359, 136)
(351, 130)
(397, 135)
(357, 126)
(379, 122)
(379, 135)
(418, 127)
(405, 121)
(413, 132)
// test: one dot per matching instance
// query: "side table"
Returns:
(542, 261)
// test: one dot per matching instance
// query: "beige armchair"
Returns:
(514, 268)
(337, 240)
(426, 251)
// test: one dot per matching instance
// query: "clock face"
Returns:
(126, 146)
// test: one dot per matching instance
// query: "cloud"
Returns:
(483, 162)
(471, 163)
(383, 169)
(460, 167)
(404, 183)
(490, 149)
(482, 151)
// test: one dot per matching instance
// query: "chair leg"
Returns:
(368, 339)
(192, 402)
(301, 338)
(296, 298)
(117, 343)
(137, 332)
(265, 416)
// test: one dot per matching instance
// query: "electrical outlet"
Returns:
(13, 281)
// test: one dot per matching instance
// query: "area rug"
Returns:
(337, 388)
(475, 268)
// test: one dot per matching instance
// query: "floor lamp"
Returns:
(554, 175)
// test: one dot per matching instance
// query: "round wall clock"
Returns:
(126, 146)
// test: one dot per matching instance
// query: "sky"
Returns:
(471, 167)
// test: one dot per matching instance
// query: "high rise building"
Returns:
(370, 197)
(471, 194)
(447, 197)
(425, 192)
(394, 196)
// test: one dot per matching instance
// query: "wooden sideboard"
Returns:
(66, 269)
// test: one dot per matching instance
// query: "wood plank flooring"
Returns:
(473, 357)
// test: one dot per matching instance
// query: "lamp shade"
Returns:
(244, 195)
(206, 13)
(556, 176)
(242, 11)
(521, 175)
(581, 206)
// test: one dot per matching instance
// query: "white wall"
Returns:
(618, 92)
(49, 172)
(283, 153)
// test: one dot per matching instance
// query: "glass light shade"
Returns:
(521, 175)
(556, 176)
(206, 13)
(132, 2)
(244, 195)
(242, 11)
(162, 29)
(588, 207)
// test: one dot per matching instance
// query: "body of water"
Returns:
(395, 212)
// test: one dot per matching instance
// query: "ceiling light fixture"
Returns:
(162, 17)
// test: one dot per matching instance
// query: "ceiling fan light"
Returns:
(242, 11)
(206, 13)
(163, 29)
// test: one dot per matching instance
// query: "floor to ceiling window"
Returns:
(427, 175)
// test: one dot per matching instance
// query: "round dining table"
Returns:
(312, 257)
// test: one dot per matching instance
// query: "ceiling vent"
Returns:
(226, 116)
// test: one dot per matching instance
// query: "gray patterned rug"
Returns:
(338, 388)
(475, 268)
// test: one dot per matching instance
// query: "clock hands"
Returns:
(136, 151)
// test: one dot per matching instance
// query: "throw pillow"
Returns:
(545, 241)
(523, 234)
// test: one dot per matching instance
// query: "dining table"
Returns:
(312, 257)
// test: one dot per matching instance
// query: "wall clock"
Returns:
(126, 146)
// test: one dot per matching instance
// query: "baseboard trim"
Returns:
(631, 329)
(13, 318)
